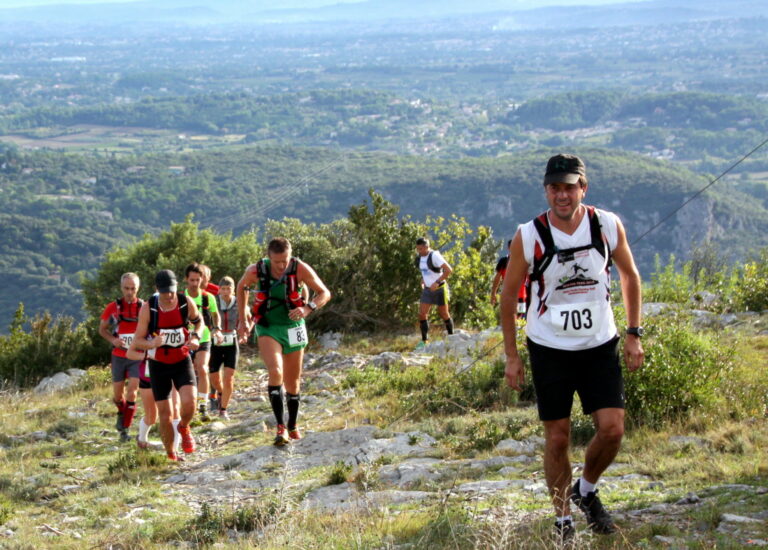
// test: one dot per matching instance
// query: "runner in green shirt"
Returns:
(206, 304)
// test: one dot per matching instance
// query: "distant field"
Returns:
(117, 138)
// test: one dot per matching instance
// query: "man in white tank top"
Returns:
(571, 333)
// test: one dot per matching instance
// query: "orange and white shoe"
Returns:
(175, 457)
(281, 438)
(294, 433)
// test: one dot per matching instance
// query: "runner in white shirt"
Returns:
(572, 339)
(434, 272)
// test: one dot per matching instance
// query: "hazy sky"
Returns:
(283, 4)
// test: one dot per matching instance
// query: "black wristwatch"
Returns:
(636, 331)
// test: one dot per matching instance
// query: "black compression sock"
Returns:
(449, 325)
(276, 400)
(424, 329)
(293, 400)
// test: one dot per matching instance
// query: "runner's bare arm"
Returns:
(249, 278)
(140, 341)
(631, 291)
(495, 287)
(108, 336)
(517, 269)
(307, 275)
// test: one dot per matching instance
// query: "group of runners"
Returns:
(559, 264)
(181, 349)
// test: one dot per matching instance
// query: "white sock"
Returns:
(176, 436)
(143, 430)
(585, 487)
(563, 519)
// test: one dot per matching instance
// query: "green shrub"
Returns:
(213, 523)
(50, 346)
(682, 373)
(339, 473)
(134, 460)
(752, 285)
(437, 388)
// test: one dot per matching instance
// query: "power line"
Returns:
(710, 184)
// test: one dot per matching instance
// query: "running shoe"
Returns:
(223, 414)
(420, 346)
(124, 435)
(203, 410)
(213, 404)
(294, 433)
(119, 421)
(564, 532)
(598, 519)
(281, 438)
(175, 457)
(187, 441)
(141, 444)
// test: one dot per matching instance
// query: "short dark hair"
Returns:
(422, 240)
(278, 245)
(194, 267)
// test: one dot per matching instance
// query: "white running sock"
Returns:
(176, 436)
(143, 430)
(585, 487)
(563, 519)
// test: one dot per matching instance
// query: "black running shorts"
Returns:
(437, 297)
(223, 356)
(164, 377)
(595, 374)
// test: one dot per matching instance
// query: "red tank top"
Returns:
(169, 324)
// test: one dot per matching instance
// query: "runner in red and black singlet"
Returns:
(162, 332)
(118, 326)
(498, 279)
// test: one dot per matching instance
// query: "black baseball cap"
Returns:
(564, 169)
(165, 281)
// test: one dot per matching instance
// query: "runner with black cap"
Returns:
(571, 334)
(162, 332)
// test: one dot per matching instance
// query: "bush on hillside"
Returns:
(683, 372)
(752, 284)
(50, 346)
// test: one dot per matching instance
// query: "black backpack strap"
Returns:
(541, 223)
(183, 308)
(596, 232)
(153, 314)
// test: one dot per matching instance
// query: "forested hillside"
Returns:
(63, 211)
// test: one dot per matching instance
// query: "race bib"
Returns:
(228, 339)
(173, 337)
(127, 339)
(297, 335)
(573, 320)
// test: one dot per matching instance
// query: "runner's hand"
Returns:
(243, 330)
(118, 343)
(434, 286)
(298, 313)
(634, 355)
(493, 299)
(515, 373)
(194, 343)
